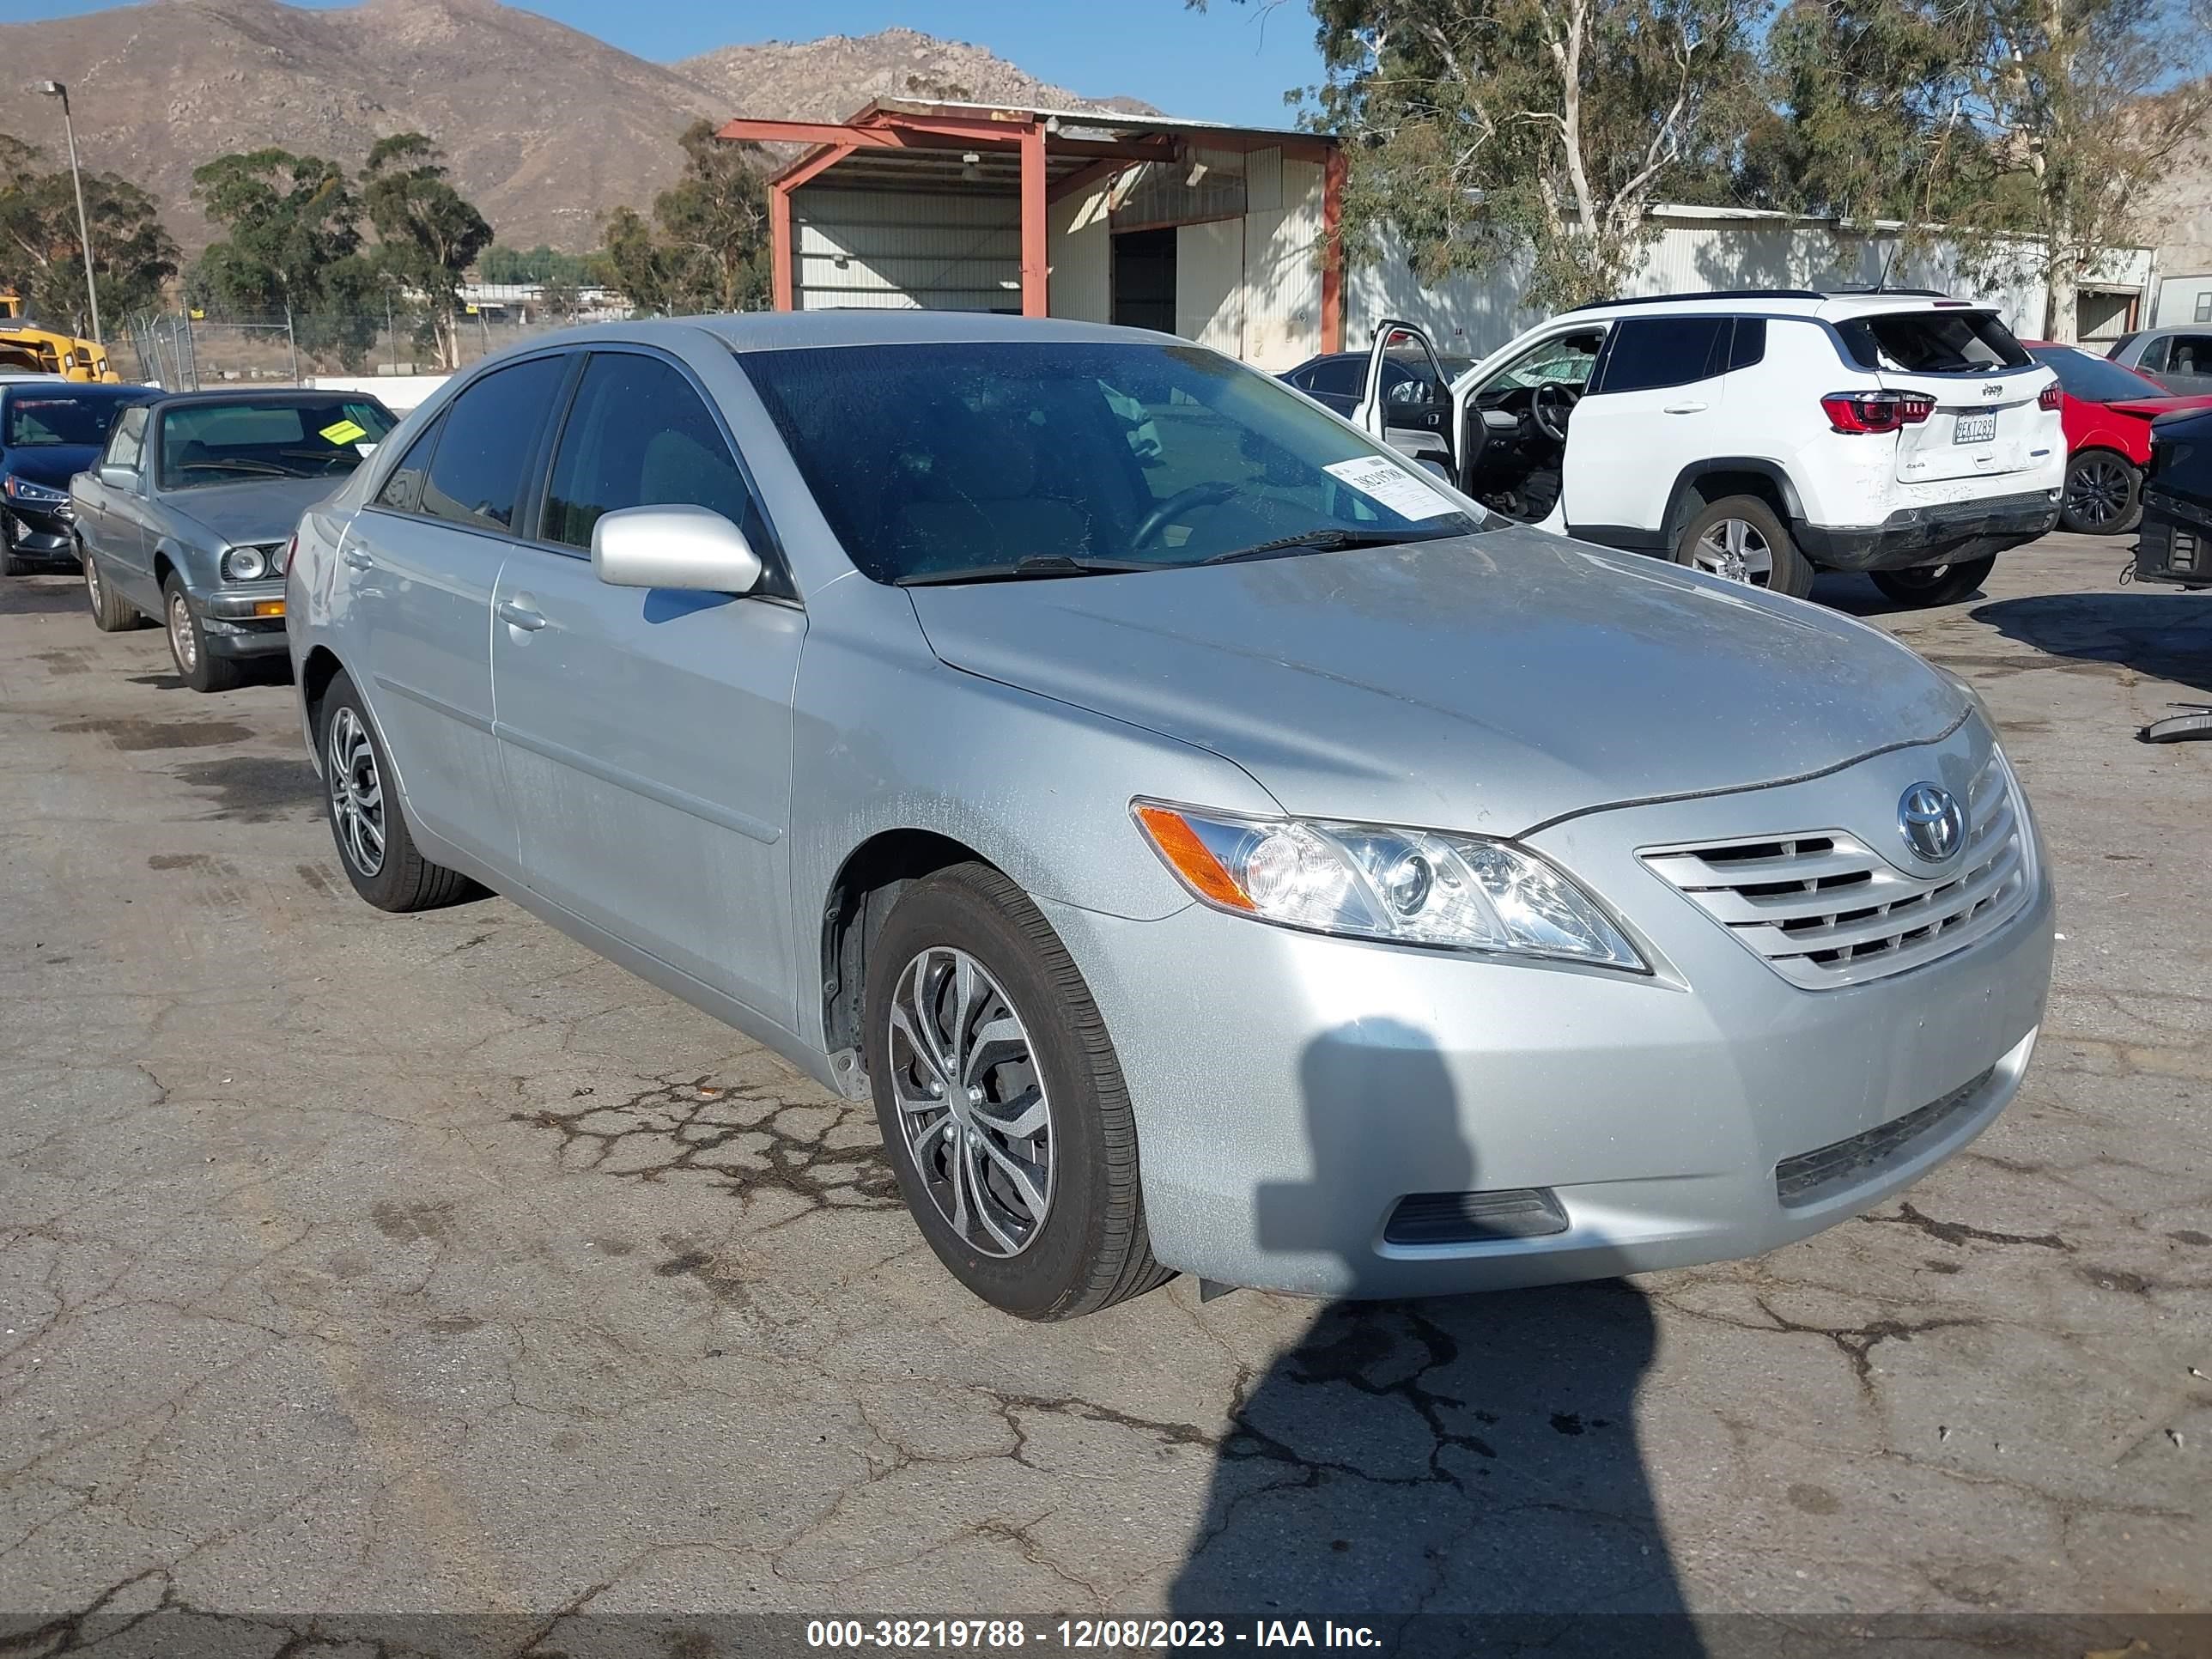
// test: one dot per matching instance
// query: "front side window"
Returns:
(2190, 354)
(490, 432)
(638, 435)
(931, 460)
(128, 441)
(229, 440)
(1335, 377)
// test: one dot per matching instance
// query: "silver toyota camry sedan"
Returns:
(1212, 842)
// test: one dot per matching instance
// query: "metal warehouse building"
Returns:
(1218, 234)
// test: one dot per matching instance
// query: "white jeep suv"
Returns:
(1762, 434)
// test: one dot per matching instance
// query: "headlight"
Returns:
(32, 495)
(1369, 881)
(243, 564)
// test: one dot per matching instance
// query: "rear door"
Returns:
(650, 729)
(1654, 406)
(419, 565)
(1406, 401)
(1986, 421)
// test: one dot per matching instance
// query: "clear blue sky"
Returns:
(1229, 62)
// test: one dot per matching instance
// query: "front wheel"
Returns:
(196, 665)
(1003, 1108)
(1743, 539)
(2104, 493)
(1934, 584)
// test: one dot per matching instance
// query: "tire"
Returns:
(1934, 584)
(196, 665)
(376, 847)
(1749, 544)
(111, 612)
(1090, 1249)
(2103, 496)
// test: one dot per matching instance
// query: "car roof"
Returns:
(275, 394)
(1830, 307)
(773, 331)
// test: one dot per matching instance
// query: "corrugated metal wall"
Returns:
(907, 249)
(1282, 262)
(1478, 314)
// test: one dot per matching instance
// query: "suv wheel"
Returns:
(1934, 584)
(2104, 493)
(374, 844)
(1743, 539)
(1004, 1112)
(196, 665)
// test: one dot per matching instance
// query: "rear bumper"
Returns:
(1948, 532)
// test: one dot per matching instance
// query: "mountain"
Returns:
(546, 128)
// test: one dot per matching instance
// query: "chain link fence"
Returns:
(185, 352)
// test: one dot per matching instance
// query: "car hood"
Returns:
(1487, 682)
(262, 510)
(54, 465)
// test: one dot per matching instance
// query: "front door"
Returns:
(110, 503)
(649, 731)
(418, 566)
(1407, 400)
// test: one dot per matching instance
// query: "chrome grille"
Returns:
(1823, 909)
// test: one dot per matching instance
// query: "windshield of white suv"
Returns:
(1932, 343)
(1000, 460)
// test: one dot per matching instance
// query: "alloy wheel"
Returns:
(356, 793)
(1736, 550)
(2097, 491)
(971, 1101)
(183, 643)
(92, 583)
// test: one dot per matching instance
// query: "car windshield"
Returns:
(2093, 379)
(233, 439)
(1041, 458)
(48, 420)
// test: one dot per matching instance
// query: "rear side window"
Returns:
(1932, 343)
(639, 435)
(490, 432)
(1339, 377)
(1749, 346)
(1649, 352)
(2190, 354)
(403, 489)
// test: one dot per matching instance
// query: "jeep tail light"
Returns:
(2048, 397)
(1876, 411)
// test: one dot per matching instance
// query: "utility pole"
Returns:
(56, 90)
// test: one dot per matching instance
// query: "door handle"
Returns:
(516, 614)
(358, 558)
(1684, 409)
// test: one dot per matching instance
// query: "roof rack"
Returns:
(1718, 294)
(1884, 292)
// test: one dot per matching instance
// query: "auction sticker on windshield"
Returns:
(1390, 485)
(345, 432)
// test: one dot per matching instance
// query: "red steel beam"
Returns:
(1035, 298)
(1332, 252)
(812, 167)
(779, 243)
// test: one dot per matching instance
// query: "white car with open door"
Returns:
(1760, 435)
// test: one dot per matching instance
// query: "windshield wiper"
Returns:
(1037, 564)
(1326, 539)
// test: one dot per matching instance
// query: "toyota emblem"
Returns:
(1933, 823)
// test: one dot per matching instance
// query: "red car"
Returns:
(2105, 414)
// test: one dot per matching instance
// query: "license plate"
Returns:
(1975, 428)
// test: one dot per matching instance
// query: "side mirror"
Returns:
(119, 477)
(682, 547)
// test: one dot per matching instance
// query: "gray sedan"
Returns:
(1212, 842)
(189, 511)
(2178, 359)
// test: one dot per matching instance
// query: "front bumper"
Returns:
(231, 619)
(1948, 533)
(1291, 1089)
(2175, 545)
(39, 533)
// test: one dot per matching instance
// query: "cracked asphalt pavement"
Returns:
(352, 1263)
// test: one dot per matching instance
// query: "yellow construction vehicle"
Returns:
(47, 351)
